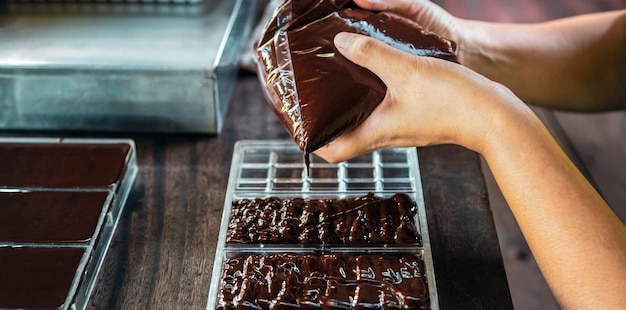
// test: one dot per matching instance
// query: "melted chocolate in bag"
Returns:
(316, 92)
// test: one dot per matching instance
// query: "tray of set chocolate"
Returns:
(60, 201)
(351, 235)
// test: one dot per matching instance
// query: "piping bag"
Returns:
(315, 92)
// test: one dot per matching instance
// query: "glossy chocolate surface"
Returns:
(316, 92)
(61, 164)
(294, 14)
(364, 220)
(49, 216)
(37, 278)
(299, 281)
(52, 197)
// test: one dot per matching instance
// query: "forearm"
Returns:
(576, 63)
(578, 242)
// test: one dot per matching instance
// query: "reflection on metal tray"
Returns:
(275, 168)
(110, 66)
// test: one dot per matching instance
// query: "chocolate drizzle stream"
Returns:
(317, 93)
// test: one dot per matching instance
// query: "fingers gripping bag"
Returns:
(316, 92)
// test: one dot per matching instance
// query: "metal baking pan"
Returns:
(54, 236)
(120, 66)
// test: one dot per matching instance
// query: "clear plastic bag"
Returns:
(316, 92)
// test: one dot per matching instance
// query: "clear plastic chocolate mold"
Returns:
(276, 216)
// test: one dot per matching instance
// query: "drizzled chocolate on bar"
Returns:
(292, 281)
(364, 220)
(317, 93)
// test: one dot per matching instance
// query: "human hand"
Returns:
(424, 12)
(429, 101)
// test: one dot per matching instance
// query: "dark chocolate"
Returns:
(37, 278)
(299, 281)
(363, 220)
(316, 92)
(292, 14)
(62, 164)
(49, 216)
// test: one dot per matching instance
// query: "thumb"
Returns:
(372, 54)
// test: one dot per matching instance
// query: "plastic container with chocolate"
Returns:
(60, 201)
(345, 236)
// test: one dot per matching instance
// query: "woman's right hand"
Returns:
(429, 101)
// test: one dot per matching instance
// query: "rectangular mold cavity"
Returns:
(383, 175)
(393, 173)
(255, 173)
(366, 173)
(58, 212)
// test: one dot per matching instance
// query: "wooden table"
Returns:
(161, 256)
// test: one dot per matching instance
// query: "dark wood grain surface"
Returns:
(162, 254)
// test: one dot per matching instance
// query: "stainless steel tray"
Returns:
(92, 250)
(264, 168)
(138, 67)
